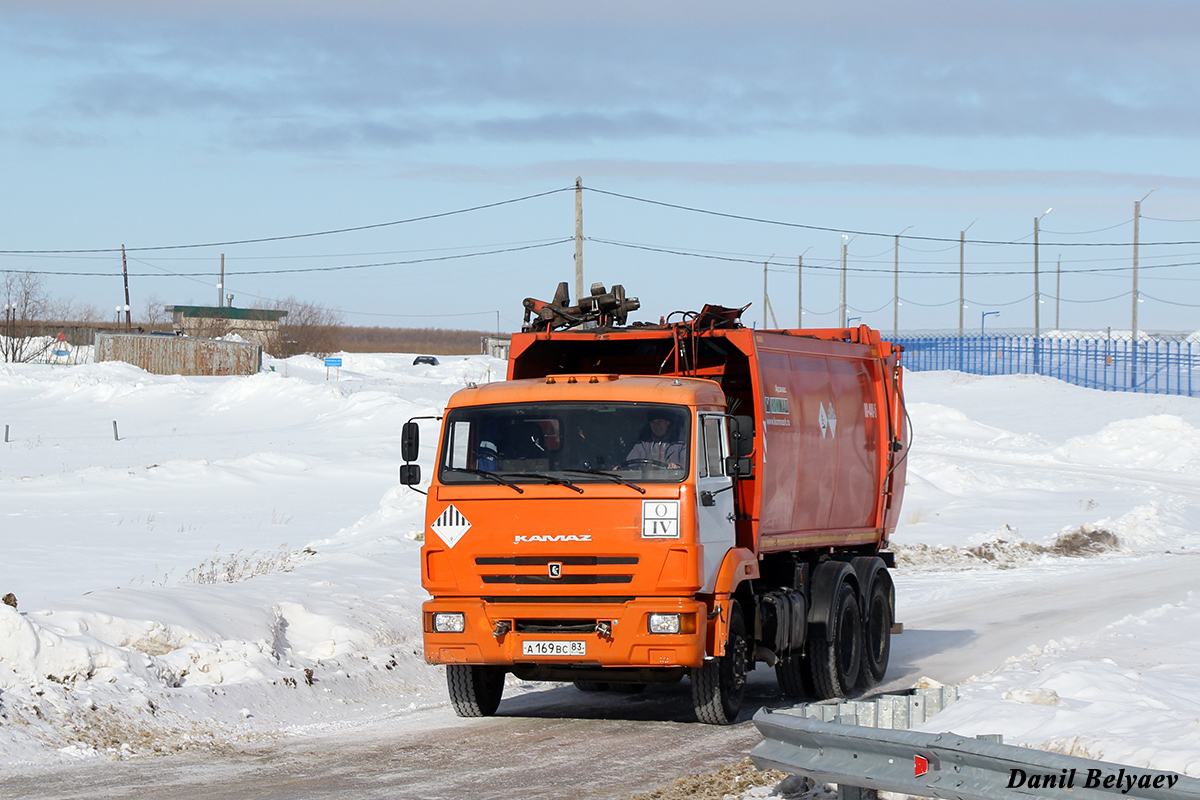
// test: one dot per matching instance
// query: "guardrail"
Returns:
(947, 765)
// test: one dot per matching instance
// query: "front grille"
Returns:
(554, 625)
(557, 599)
(564, 579)
(541, 561)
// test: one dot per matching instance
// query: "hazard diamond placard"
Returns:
(450, 526)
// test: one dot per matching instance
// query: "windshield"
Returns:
(577, 442)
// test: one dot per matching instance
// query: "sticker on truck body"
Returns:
(660, 519)
(450, 526)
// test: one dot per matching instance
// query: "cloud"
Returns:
(399, 75)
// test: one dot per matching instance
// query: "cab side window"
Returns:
(713, 450)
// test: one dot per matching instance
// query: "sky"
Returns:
(711, 139)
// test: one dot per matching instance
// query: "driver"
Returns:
(658, 444)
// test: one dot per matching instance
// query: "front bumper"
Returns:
(628, 642)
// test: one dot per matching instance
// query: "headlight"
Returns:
(664, 623)
(449, 622)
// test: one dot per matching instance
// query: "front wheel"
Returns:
(719, 685)
(475, 690)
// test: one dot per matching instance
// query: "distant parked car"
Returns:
(430, 360)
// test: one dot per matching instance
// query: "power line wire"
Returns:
(259, 240)
(853, 232)
(294, 270)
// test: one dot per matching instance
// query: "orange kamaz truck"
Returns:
(640, 503)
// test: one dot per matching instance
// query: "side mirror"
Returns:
(410, 474)
(739, 467)
(410, 442)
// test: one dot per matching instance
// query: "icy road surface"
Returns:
(552, 741)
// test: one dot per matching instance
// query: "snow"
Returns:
(241, 561)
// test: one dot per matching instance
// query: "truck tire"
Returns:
(475, 690)
(834, 661)
(793, 675)
(877, 634)
(720, 683)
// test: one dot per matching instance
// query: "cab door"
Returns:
(714, 496)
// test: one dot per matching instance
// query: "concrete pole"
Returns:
(962, 303)
(765, 301)
(1137, 215)
(578, 240)
(896, 290)
(842, 304)
(1057, 292)
(800, 291)
(1037, 302)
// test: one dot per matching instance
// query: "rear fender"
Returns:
(827, 577)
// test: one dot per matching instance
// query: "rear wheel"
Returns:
(475, 690)
(719, 685)
(877, 634)
(834, 661)
(793, 675)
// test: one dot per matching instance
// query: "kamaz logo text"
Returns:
(555, 537)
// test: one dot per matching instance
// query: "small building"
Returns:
(257, 325)
(495, 346)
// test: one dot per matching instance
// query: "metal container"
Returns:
(179, 355)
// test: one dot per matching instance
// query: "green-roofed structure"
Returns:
(257, 325)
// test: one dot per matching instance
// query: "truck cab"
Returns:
(579, 525)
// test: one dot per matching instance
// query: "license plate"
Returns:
(559, 648)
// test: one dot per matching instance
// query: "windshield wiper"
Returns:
(610, 475)
(545, 477)
(490, 475)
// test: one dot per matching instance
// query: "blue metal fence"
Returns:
(1152, 366)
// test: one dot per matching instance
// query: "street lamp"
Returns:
(1137, 216)
(983, 320)
(846, 240)
(896, 285)
(1037, 298)
(850, 322)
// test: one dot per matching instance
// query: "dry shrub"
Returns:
(1082, 542)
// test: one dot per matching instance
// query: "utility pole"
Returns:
(842, 304)
(1137, 217)
(962, 299)
(896, 288)
(800, 289)
(221, 284)
(765, 301)
(125, 274)
(1057, 292)
(1037, 299)
(579, 240)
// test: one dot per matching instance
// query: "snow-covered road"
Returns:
(146, 662)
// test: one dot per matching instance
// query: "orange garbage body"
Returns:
(558, 538)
